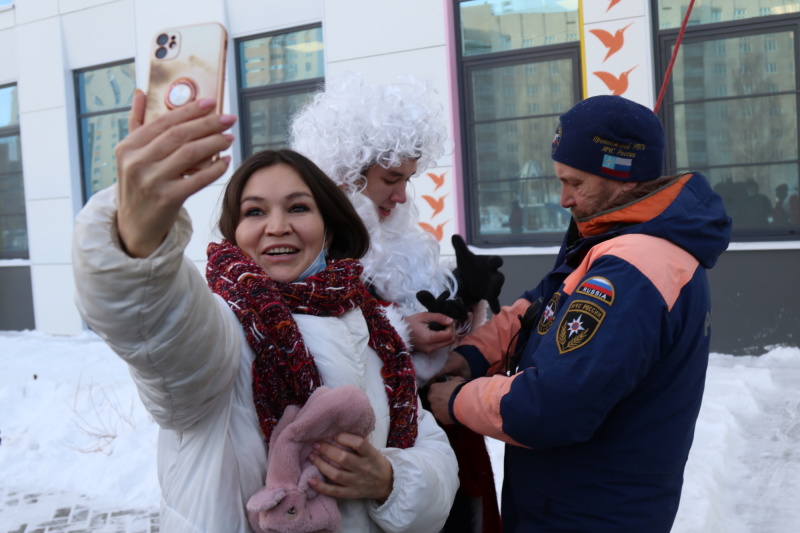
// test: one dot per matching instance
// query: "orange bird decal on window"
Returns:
(437, 204)
(612, 42)
(438, 179)
(618, 85)
(437, 232)
(612, 4)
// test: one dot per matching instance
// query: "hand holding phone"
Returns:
(155, 174)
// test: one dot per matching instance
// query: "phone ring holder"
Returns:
(180, 92)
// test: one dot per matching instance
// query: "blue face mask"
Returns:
(318, 265)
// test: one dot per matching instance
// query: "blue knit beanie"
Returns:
(612, 137)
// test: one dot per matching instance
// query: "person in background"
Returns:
(282, 311)
(757, 209)
(781, 213)
(594, 378)
(373, 140)
(515, 217)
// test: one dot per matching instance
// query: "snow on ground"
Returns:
(72, 423)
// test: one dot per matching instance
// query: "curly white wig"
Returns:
(353, 125)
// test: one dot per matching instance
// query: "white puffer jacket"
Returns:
(192, 366)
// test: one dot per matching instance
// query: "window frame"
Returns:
(699, 33)
(11, 131)
(81, 116)
(504, 58)
(249, 94)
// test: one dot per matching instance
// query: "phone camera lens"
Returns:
(162, 39)
(161, 52)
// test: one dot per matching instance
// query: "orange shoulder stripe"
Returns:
(667, 266)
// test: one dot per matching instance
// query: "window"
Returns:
(13, 227)
(507, 135)
(271, 85)
(105, 95)
(755, 165)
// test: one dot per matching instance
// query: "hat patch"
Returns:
(578, 326)
(599, 288)
(619, 167)
(556, 140)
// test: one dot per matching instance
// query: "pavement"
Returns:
(28, 512)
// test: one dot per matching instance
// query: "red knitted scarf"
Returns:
(284, 372)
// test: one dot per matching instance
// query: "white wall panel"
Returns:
(8, 66)
(40, 59)
(50, 230)
(155, 15)
(46, 157)
(246, 17)
(67, 6)
(363, 28)
(33, 10)
(53, 300)
(97, 36)
(7, 18)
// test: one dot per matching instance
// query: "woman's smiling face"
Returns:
(280, 226)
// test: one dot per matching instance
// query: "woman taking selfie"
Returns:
(282, 312)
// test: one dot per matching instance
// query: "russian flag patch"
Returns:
(599, 288)
(619, 167)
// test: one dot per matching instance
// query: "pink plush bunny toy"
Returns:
(287, 504)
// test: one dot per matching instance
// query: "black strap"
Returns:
(527, 323)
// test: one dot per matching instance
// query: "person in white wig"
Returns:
(371, 140)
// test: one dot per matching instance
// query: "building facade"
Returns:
(504, 71)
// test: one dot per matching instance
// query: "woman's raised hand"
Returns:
(154, 168)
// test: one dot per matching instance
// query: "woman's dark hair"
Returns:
(350, 236)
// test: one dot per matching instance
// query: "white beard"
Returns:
(403, 258)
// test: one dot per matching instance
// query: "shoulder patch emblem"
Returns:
(599, 288)
(578, 326)
(549, 314)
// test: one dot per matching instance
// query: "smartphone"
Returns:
(187, 63)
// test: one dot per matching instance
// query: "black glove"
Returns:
(478, 276)
(452, 308)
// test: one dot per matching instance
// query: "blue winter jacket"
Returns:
(607, 375)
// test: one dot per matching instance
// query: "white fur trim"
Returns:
(399, 323)
(427, 366)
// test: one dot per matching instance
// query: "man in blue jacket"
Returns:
(594, 378)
